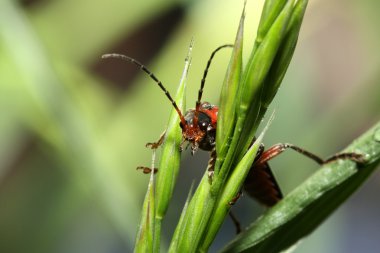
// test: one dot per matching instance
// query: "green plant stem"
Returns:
(248, 97)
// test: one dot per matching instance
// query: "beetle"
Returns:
(199, 127)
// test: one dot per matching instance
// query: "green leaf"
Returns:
(145, 234)
(256, 71)
(170, 156)
(231, 189)
(149, 233)
(240, 116)
(284, 55)
(227, 101)
(269, 14)
(195, 219)
(299, 213)
(178, 234)
(250, 93)
(202, 203)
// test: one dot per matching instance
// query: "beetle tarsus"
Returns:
(236, 198)
(210, 175)
(355, 157)
(155, 145)
(236, 222)
(147, 170)
(194, 148)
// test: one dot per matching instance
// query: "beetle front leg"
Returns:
(146, 170)
(152, 145)
(155, 145)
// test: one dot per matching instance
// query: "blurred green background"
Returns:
(73, 127)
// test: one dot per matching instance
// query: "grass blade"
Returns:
(284, 54)
(226, 115)
(145, 234)
(233, 186)
(270, 12)
(170, 156)
(179, 233)
(299, 213)
(256, 71)
(245, 102)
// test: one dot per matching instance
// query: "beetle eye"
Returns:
(203, 125)
(203, 121)
(181, 125)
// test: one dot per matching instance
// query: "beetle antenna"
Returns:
(200, 92)
(152, 76)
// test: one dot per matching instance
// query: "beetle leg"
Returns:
(182, 144)
(236, 198)
(236, 222)
(146, 170)
(155, 145)
(211, 164)
(194, 148)
(351, 156)
(277, 149)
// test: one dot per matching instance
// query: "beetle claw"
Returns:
(194, 148)
(210, 175)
